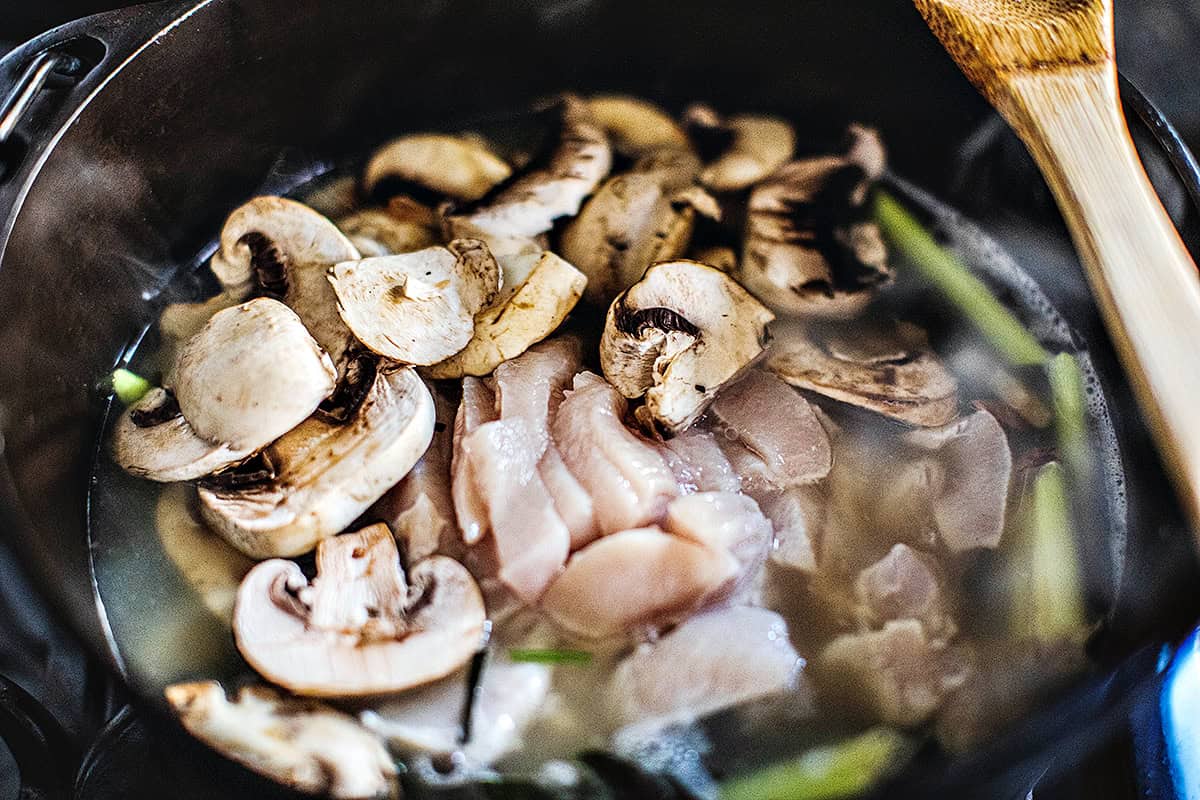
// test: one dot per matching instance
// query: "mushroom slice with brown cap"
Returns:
(281, 249)
(251, 375)
(531, 202)
(404, 226)
(362, 626)
(637, 127)
(459, 167)
(969, 506)
(887, 368)
(152, 440)
(755, 147)
(417, 308)
(633, 221)
(678, 335)
(811, 247)
(539, 290)
(299, 743)
(326, 471)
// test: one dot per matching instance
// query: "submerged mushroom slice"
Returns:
(362, 626)
(530, 204)
(637, 127)
(755, 147)
(887, 368)
(417, 308)
(251, 375)
(811, 247)
(459, 167)
(540, 289)
(280, 248)
(301, 744)
(404, 226)
(325, 472)
(634, 220)
(969, 506)
(152, 440)
(678, 335)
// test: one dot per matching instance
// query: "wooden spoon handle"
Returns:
(1141, 274)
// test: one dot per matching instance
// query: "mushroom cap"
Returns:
(460, 167)
(679, 334)
(283, 249)
(635, 126)
(886, 369)
(970, 507)
(298, 743)
(530, 203)
(811, 248)
(539, 290)
(400, 228)
(152, 440)
(251, 375)
(417, 308)
(758, 146)
(326, 472)
(360, 628)
(630, 223)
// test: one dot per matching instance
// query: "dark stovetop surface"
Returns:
(1158, 43)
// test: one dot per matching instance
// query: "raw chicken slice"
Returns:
(478, 406)
(571, 500)
(420, 509)
(430, 719)
(635, 578)
(722, 521)
(903, 585)
(714, 660)
(898, 674)
(797, 516)
(774, 422)
(531, 385)
(698, 463)
(626, 477)
(531, 542)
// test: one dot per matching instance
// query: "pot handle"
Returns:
(44, 80)
(38, 745)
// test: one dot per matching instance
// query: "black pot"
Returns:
(161, 118)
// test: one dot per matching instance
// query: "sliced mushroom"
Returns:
(280, 248)
(887, 368)
(718, 257)
(969, 506)
(417, 308)
(404, 226)
(633, 221)
(678, 335)
(459, 167)
(755, 147)
(811, 247)
(298, 743)
(251, 375)
(635, 578)
(333, 198)
(325, 472)
(540, 289)
(530, 204)
(637, 127)
(362, 626)
(152, 440)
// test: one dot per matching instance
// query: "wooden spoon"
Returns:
(1048, 66)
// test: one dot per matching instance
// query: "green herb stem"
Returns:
(550, 656)
(129, 387)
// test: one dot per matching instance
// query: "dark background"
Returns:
(1159, 48)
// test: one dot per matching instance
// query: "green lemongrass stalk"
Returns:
(129, 387)
(550, 656)
(839, 770)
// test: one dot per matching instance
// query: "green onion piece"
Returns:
(844, 769)
(1069, 396)
(550, 656)
(1047, 594)
(129, 386)
(952, 278)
